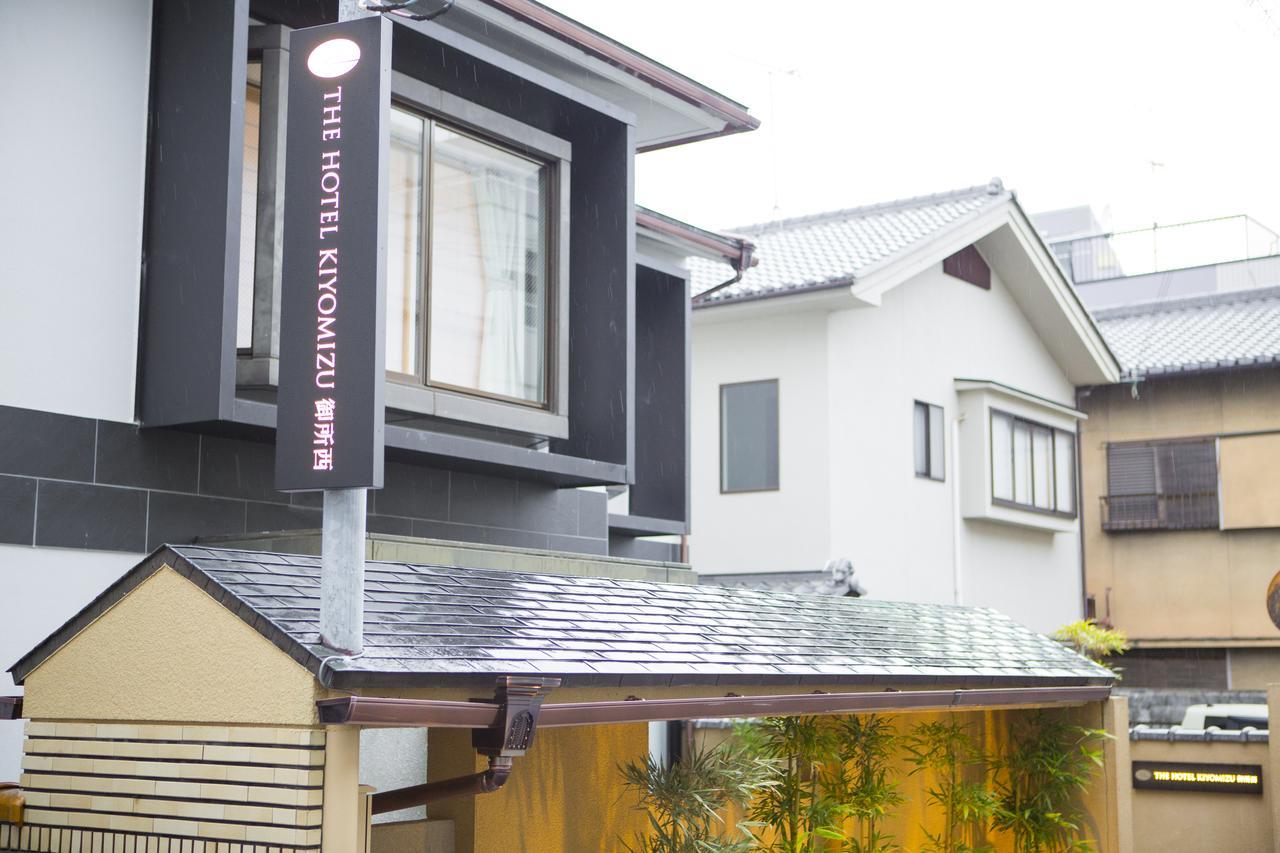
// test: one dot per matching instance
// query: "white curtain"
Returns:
(503, 224)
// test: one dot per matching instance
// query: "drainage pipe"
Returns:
(485, 782)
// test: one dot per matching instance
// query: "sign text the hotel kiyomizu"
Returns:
(329, 426)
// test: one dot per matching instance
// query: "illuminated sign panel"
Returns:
(1184, 776)
(330, 420)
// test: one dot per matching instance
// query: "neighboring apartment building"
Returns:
(1181, 473)
(895, 385)
(139, 306)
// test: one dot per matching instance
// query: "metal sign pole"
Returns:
(342, 532)
(330, 414)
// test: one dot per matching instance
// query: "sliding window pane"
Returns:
(922, 439)
(1064, 466)
(404, 242)
(1001, 456)
(249, 208)
(1022, 463)
(937, 443)
(1042, 467)
(749, 436)
(488, 283)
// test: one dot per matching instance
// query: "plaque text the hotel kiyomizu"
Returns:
(329, 429)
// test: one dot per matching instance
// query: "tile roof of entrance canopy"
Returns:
(1199, 333)
(842, 246)
(434, 625)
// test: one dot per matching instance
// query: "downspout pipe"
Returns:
(518, 701)
(745, 261)
(485, 782)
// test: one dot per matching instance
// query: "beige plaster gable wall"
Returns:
(168, 651)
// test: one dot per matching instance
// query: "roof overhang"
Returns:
(1010, 244)
(431, 713)
(670, 108)
(682, 240)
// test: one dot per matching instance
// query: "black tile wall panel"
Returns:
(79, 515)
(412, 491)
(17, 510)
(578, 545)
(480, 499)
(632, 548)
(44, 444)
(545, 509)
(233, 468)
(179, 519)
(444, 530)
(264, 517)
(389, 524)
(593, 513)
(150, 458)
(515, 538)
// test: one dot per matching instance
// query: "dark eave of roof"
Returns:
(734, 114)
(737, 251)
(435, 713)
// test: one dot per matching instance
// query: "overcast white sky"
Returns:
(1068, 102)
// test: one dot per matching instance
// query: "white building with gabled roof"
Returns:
(895, 385)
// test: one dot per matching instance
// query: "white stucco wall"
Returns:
(791, 348)
(853, 404)
(72, 163)
(40, 589)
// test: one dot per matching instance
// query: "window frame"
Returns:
(778, 410)
(928, 440)
(992, 414)
(412, 394)
(1160, 494)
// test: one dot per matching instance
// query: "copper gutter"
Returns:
(374, 711)
(589, 41)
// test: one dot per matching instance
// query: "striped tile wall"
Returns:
(104, 788)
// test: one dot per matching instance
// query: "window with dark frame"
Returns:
(468, 301)
(749, 436)
(930, 441)
(1162, 485)
(476, 261)
(1033, 465)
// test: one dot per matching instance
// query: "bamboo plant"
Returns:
(685, 800)
(948, 751)
(861, 782)
(1039, 781)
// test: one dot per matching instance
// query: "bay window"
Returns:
(1032, 465)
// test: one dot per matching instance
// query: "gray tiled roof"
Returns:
(1200, 333)
(433, 625)
(840, 247)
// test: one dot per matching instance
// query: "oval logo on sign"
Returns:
(333, 58)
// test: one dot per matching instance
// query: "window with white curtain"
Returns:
(467, 275)
(1033, 466)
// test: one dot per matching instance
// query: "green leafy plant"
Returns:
(685, 800)
(1093, 641)
(860, 782)
(1048, 765)
(948, 751)
(795, 814)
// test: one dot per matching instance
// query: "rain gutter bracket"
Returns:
(519, 699)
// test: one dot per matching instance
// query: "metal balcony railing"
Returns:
(1161, 248)
(1192, 511)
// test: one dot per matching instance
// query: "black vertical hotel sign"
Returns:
(329, 423)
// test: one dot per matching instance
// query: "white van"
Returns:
(1226, 717)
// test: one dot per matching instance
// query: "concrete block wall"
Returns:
(160, 788)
